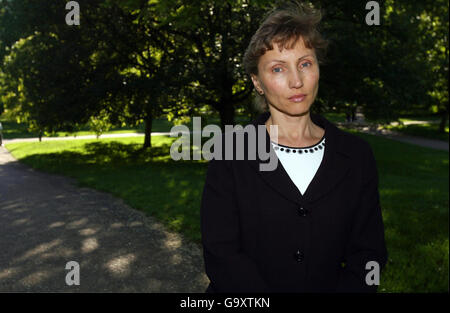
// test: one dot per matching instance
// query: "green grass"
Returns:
(413, 195)
(414, 198)
(335, 117)
(426, 130)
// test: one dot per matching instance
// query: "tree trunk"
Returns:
(226, 115)
(148, 131)
(40, 136)
(444, 117)
(353, 114)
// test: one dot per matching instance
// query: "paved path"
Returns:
(46, 221)
(414, 140)
(6, 141)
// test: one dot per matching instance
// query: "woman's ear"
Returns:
(257, 84)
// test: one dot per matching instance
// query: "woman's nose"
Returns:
(295, 79)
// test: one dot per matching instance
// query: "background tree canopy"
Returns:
(132, 61)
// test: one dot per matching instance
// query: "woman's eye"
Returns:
(277, 70)
(306, 64)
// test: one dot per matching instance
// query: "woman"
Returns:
(314, 224)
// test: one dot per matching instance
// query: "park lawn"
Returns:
(413, 194)
(426, 130)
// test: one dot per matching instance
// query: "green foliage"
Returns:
(138, 60)
(99, 124)
(211, 37)
(390, 68)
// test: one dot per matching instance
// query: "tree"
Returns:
(433, 24)
(49, 71)
(218, 33)
(86, 69)
(386, 69)
(149, 67)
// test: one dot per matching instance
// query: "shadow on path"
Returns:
(45, 222)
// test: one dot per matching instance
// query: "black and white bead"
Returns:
(311, 149)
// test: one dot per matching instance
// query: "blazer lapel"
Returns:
(335, 164)
(333, 168)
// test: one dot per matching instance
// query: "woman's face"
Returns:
(289, 79)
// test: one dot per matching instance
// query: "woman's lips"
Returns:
(297, 98)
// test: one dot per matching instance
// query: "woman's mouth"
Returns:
(297, 98)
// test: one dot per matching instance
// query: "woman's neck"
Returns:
(295, 131)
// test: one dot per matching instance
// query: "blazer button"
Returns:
(299, 256)
(303, 212)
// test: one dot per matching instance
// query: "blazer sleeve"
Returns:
(367, 241)
(228, 269)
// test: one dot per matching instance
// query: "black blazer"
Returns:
(260, 234)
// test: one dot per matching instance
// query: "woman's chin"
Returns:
(293, 110)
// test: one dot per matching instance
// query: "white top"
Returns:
(301, 164)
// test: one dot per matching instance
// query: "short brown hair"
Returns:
(284, 25)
